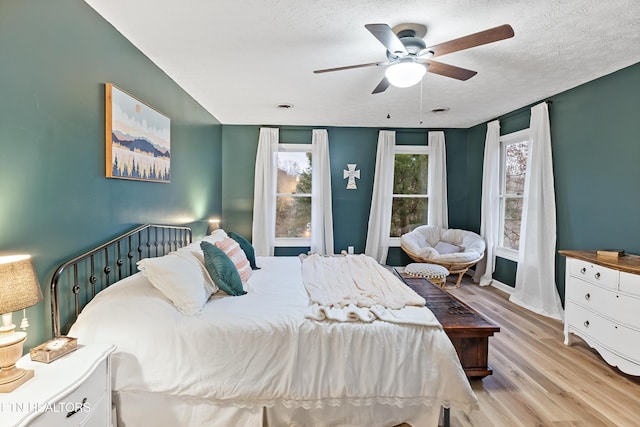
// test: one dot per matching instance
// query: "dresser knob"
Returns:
(587, 297)
(583, 270)
(597, 275)
(586, 323)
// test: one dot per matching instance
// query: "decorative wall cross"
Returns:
(352, 174)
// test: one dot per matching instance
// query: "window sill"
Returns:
(292, 242)
(394, 242)
(510, 254)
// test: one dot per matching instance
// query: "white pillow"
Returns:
(195, 251)
(216, 236)
(447, 248)
(180, 279)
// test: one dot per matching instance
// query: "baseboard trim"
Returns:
(495, 283)
(502, 286)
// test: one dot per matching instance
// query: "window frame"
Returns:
(293, 148)
(517, 137)
(407, 149)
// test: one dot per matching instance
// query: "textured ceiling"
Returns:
(241, 58)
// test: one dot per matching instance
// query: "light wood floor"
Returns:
(537, 380)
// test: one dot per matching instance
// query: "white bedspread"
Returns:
(259, 349)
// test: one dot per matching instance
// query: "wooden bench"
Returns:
(467, 329)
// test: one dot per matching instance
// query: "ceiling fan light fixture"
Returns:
(405, 74)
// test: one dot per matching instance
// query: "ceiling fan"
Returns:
(408, 57)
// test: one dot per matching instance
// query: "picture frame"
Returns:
(138, 138)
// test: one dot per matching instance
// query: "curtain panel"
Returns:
(321, 211)
(535, 276)
(263, 229)
(438, 213)
(377, 245)
(490, 204)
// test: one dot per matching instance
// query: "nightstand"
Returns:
(74, 390)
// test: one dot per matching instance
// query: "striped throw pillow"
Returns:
(233, 250)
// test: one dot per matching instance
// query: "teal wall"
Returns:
(350, 207)
(55, 57)
(595, 134)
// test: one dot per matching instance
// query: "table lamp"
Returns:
(214, 224)
(19, 289)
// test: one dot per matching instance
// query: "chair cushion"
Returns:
(422, 242)
(447, 248)
(426, 271)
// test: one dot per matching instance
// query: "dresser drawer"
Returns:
(630, 283)
(628, 311)
(594, 297)
(98, 417)
(587, 322)
(84, 400)
(612, 304)
(593, 273)
(626, 342)
(617, 338)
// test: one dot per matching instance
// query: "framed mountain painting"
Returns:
(138, 138)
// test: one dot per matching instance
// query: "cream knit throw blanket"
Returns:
(357, 288)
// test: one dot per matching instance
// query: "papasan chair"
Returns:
(454, 249)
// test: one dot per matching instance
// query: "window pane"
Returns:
(293, 216)
(410, 174)
(407, 213)
(512, 220)
(515, 167)
(294, 172)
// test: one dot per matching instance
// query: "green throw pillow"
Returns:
(246, 246)
(222, 270)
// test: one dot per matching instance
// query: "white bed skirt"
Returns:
(153, 409)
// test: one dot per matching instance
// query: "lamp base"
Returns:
(12, 377)
(15, 380)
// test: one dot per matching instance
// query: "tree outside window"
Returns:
(293, 198)
(514, 168)
(410, 198)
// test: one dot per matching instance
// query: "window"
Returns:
(410, 190)
(293, 195)
(514, 154)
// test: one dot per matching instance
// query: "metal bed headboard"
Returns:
(78, 280)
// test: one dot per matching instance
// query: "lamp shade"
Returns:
(19, 287)
(405, 74)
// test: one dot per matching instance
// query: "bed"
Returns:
(259, 359)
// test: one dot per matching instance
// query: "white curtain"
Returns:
(438, 213)
(535, 277)
(264, 194)
(379, 229)
(490, 205)
(321, 212)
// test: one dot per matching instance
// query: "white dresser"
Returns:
(602, 306)
(74, 390)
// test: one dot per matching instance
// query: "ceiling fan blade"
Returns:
(472, 40)
(448, 70)
(348, 67)
(382, 86)
(388, 38)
